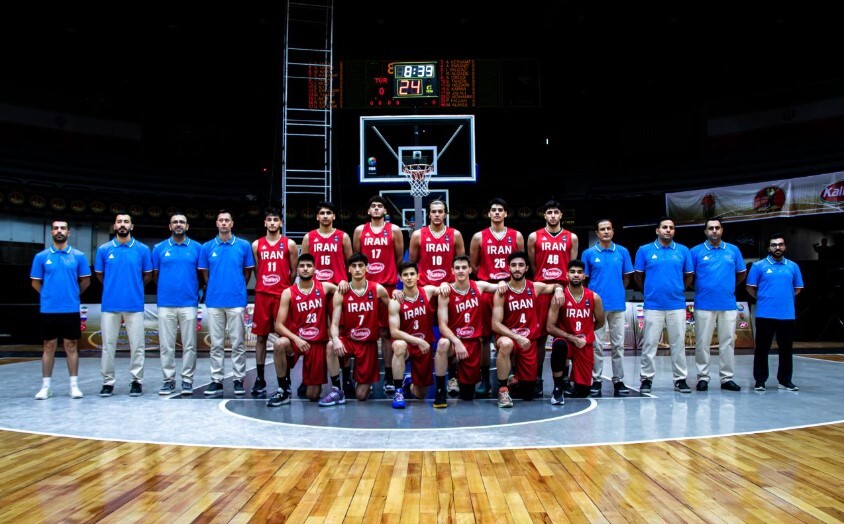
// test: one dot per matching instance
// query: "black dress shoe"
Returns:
(730, 386)
(702, 385)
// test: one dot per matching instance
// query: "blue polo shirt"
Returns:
(59, 272)
(176, 263)
(775, 283)
(605, 269)
(715, 275)
(664, 268)
(225, 262)
(123, 266)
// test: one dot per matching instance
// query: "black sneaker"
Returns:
(441, 400)
(557, 397)
(788, 386)
(645, 386)
(107, 390)
(595, 389)
(620, 388)
(259, 388)
(538, 387)
(302, 391)
(135, 390)
(568, 388)
(280, 398)
(730, 386)
(238, 388)
(681, 386)
(760, 386)
(702, 385)
(214, 388)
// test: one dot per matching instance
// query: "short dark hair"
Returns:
(357, 257)
(551, 204)
(576, 262)
(177, 212)
(377, 199)
(461, 258)
(497, 201)
(226, 211)
(327, 205)
(713, 219)
(663, 219)
(517, 254)
(776, 234)
(59, 220)
(408, 264)
(272, 212)
(598, 223)
(306, 257)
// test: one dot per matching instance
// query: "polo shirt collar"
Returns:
(185, 243)
(771, 261)
(672, 245)
(229, 241)
(599, 248)
(131, 242)
(65, 250)
(710, 247)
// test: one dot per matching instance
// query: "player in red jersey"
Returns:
(275, 266)
(516, 322)
(302, 322)
(331, 248)
(460, 317)
(412, 322)
(489, 249)
(574, 329)
(550, 250)
(383, 245)
(355, 332)
(434, 246)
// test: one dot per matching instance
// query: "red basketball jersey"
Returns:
(272, 267)
(577, 318)
(416, 317)
(380, 251)
(492, 262)
(552, 253)
(307, 315)
(465, 316)
(360, 314)
(329, 259)
(435, 255)
(520, 311)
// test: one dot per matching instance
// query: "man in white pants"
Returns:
(226, 264)
(608, 267)
(719, 268)
(174, 264)
(664, 270)
(124, 266)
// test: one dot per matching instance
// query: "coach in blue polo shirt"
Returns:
(608, 267)
(123, 265)
(664, 270)
(175, 264)
(60, 274)
(226, 264)
(719, 268)
(774, 281)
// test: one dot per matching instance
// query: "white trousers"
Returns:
(173, 320)
(110, 328)
(675, 321)
(615, 325)
(223, 321)
(705, 322)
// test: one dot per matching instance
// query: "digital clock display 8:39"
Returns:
(415, 80)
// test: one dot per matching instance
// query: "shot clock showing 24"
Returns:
(415, 80)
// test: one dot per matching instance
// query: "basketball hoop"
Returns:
(418, 176)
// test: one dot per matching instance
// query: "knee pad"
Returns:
(559, 353)
(580, 391)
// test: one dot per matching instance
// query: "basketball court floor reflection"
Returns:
(229, 421)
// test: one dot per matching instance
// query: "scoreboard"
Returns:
(446, 83)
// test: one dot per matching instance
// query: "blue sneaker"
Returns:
(405, 385)
(398, 399)
(334, 398)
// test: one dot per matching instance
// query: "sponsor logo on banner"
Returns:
(833, 193)
(769, 199)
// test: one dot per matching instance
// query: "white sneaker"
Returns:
(75, 392)
(44, 394)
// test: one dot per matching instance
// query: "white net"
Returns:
(418, 176)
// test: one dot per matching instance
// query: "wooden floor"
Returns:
(786, 476)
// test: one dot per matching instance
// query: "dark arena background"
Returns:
(153, 107)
